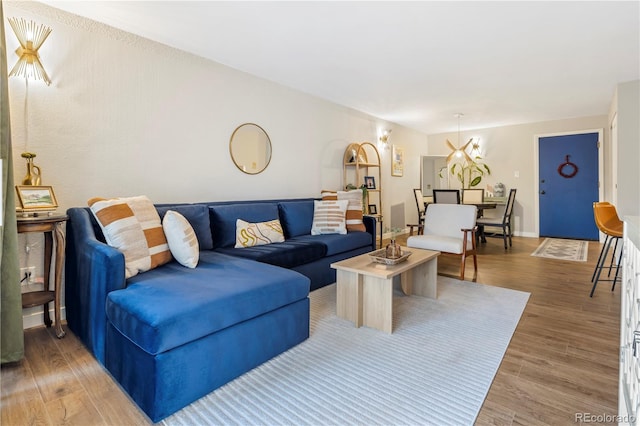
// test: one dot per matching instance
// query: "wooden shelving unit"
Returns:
(362, 160)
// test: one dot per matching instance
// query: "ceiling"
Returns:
(412, 63)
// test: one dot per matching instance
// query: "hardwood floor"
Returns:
(562, 360)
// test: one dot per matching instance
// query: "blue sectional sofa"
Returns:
(172, 334)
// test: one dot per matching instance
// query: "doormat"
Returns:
(561, 249)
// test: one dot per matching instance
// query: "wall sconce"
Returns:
(31, 36)
(385, 136)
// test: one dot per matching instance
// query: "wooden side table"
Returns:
(51, 226)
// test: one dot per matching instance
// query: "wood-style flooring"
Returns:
(562, 360)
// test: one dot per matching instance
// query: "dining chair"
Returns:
(503, 222)
(417, 193)
(608, 222)
(449, 229)
(472, 196)
(446, 196)
(420, 204)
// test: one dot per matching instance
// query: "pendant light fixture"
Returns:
(459, 152)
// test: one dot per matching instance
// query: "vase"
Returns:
(33, 174)
(393, 250)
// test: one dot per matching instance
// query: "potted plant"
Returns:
(470, 173)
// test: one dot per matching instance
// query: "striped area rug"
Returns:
(436, 368)
(562, 249)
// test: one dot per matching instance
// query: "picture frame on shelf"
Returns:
(370, 182)
(373, 209)
(397, 161)
(36, 198)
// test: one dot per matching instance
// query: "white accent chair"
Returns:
(449, 229)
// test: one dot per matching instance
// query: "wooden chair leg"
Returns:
(475, 265)
(462, 262)
(411, 226)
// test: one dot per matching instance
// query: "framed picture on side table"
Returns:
(36, 198)
(370, 182)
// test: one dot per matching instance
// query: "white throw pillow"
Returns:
(329, 217)
(182, 239)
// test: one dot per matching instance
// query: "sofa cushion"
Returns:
(183, 242)
(296, 217)
(198, 217)
(132, 225)
(337, 243)
(170, 306)
(438, 243)
(288, 254)
(258, 234)
(223, 219)
(329, 217)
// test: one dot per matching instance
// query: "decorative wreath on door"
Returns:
(571, 172)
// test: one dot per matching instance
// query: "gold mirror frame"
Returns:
(250, 148)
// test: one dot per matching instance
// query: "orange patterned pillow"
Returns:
(354, 208)
(132, 225)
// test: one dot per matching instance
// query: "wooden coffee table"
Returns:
(365, 289)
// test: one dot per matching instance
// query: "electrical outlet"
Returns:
(30, 273)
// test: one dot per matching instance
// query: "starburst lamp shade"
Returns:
(31, 36)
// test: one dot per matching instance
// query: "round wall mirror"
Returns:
(250, 148)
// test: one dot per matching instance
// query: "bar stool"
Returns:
(610, 225)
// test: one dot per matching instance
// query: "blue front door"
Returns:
(568, 170)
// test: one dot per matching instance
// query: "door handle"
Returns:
(542, 192)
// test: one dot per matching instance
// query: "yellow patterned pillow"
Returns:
(132, 225)
(257, 234)
(353, 214)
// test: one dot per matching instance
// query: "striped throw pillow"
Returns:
(182, 239)
(329, 217)
(132, 225)
(354, 208)
(257, 234)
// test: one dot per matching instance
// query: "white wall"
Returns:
(126, 116)
(509, 151)
(626, 106)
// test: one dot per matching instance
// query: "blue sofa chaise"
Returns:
(173, 334)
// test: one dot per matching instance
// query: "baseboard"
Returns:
(526, 234)
(33, 317)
